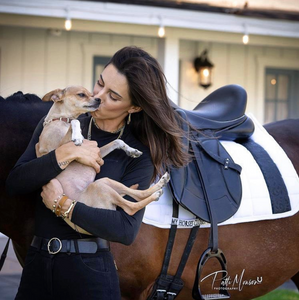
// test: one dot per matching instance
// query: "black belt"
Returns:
(55, 245)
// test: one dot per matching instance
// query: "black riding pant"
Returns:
(69, 276)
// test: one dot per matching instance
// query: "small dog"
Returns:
(61, 126)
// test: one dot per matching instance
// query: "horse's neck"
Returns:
(81, 176)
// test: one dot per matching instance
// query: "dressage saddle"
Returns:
(210, 185)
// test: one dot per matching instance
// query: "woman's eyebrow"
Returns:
(110, 89)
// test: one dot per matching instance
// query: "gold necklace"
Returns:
(120, 130)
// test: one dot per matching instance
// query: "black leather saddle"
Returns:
(222, 113)
(219, 116)
(210, 185)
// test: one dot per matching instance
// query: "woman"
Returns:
(61, 263)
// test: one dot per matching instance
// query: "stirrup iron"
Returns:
(223, 293)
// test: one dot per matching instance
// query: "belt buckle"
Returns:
(49, 244)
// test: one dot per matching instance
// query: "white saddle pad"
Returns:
(255, 203)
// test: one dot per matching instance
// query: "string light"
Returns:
(245, 37)
(161, 30)
(68, 21)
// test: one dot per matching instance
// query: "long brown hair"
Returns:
(156, 125)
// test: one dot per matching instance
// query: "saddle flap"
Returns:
(223, 177)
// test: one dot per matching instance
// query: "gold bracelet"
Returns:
(55, 202)
(67, 212)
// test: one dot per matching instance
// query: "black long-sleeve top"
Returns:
(31, 173)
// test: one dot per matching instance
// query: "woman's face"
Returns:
(112, 88)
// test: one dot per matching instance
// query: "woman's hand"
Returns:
(87, 154)
(50, 192)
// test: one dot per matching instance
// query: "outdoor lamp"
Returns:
(204, 68)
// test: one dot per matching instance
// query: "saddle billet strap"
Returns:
(168, 286)
(177, 281)
(163, 281)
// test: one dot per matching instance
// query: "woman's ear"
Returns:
(135, 109)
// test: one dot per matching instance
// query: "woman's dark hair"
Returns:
(156, 125)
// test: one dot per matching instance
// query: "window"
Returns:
(99, 63)
(281, 94)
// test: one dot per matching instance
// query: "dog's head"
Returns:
(75, 100)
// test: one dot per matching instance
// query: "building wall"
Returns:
(234, 64)
(35, 61)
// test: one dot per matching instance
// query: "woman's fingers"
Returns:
(88, 154)
(50, 192)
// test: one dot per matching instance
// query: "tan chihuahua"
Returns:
(61, 126)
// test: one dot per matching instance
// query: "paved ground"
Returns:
(11, 274)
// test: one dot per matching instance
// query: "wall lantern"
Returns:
(204, 68)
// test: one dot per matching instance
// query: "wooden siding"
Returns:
(35, 61)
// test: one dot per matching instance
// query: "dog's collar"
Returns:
(66, 120)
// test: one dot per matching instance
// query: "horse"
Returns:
(261, 255)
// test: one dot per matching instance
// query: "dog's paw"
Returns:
(158, 194)
(164, 179)
(133, 152)
(78, 142)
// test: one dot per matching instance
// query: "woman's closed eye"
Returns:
(100, 83)
(114, 96)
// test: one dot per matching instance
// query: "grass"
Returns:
(280, 295)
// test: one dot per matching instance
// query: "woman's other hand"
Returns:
(51, 191)
(87, 154)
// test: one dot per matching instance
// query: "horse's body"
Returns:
(265, 251)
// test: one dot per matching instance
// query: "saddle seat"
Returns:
(222, 112)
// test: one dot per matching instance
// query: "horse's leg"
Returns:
(295, 279)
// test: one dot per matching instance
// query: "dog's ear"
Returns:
(54, 96)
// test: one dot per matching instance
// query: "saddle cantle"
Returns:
(222, 113)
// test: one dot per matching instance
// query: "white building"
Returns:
(37, 54)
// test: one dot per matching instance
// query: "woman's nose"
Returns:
(98, 93)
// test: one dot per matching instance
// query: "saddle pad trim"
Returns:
(279, 197)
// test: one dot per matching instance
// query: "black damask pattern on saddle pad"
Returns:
(280, 200)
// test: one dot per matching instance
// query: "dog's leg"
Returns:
(138, 195)
(132, 207)
(119, 144)
(99, 194)
(77, 136)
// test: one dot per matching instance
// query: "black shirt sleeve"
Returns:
(116, 225)
(31, 173)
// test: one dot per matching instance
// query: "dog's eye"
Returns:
(81, 95)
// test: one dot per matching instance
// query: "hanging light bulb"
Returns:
(68, 21)
(68, 24)
(161, 31)
(245, 37)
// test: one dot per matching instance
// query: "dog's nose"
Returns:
(97, 99)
